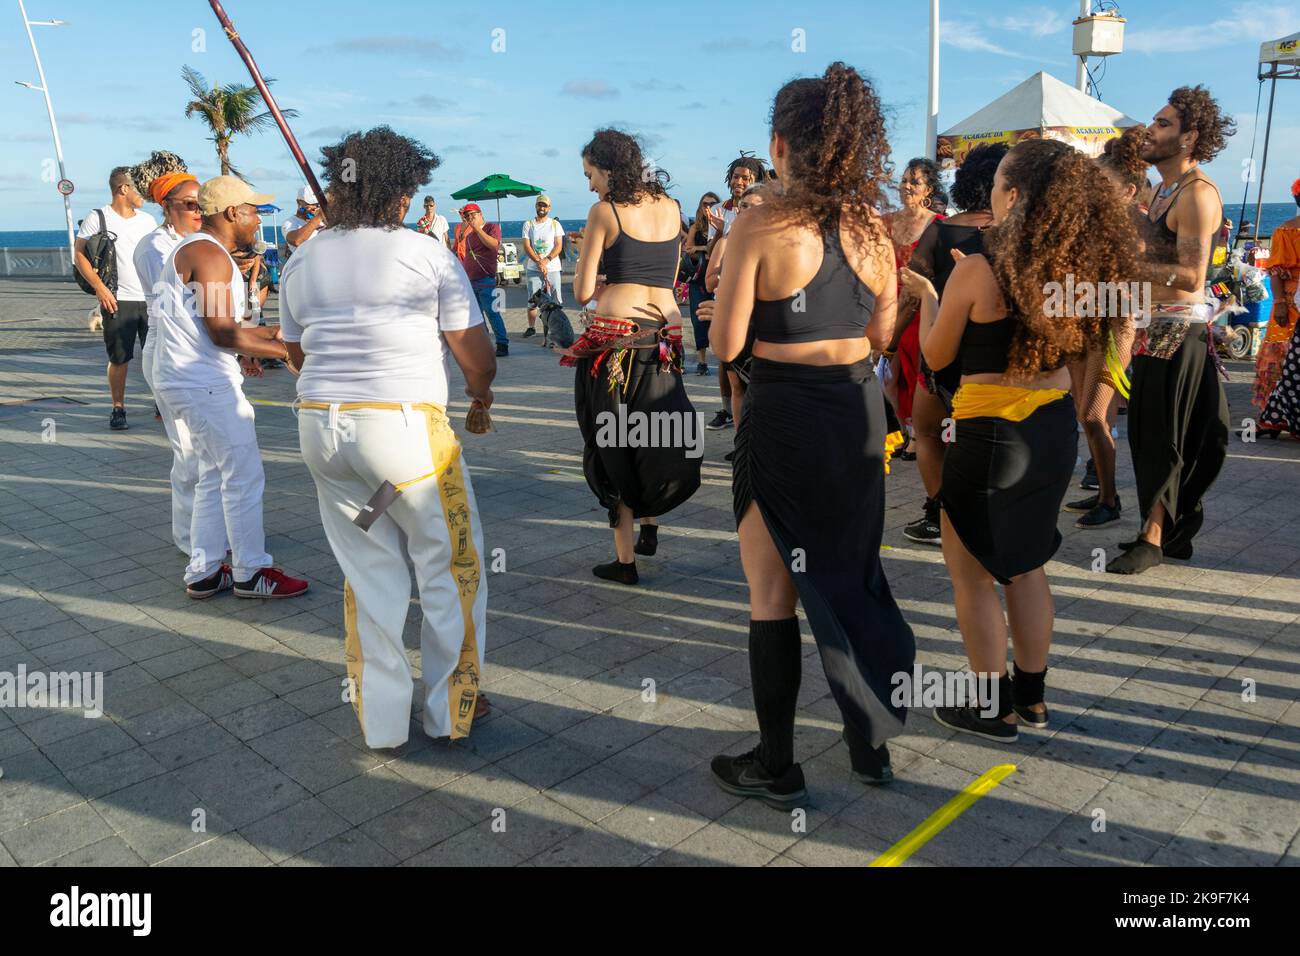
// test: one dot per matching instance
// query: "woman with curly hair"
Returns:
(1277, 376)
(165, 179)
(921, 193)
(696, 247)
(1097, 377)
(935, 258)
(1008, 467)
(810, 276)
(629, 361)
(369, 311)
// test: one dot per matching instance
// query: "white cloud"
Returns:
(589, 89)
(965, 36)
(1248, 22)
(1036, 22)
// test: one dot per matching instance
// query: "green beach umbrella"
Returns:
(497, 186)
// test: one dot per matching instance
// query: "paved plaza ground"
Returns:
(230, 713)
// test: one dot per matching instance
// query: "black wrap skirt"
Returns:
(810, 454)
(1003, 484)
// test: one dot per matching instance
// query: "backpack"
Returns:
(101, 250)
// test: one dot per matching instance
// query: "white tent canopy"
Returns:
(1042, 107)
(1283, 51)
(1041, 101)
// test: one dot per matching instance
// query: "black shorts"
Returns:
(122, 328)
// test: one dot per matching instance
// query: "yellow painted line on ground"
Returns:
(947, 813)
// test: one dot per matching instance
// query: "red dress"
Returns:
(907, 360)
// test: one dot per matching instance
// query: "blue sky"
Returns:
(696, 80)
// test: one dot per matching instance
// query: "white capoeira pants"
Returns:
(351, 449)
(185, 463)
(228, 493)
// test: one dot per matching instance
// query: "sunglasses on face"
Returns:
(189, 205)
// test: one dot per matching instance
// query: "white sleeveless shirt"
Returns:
(184, 356)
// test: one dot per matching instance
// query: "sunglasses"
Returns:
(189, 205)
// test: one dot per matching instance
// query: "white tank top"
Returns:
(184, 356)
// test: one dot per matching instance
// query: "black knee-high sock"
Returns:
(775, 668)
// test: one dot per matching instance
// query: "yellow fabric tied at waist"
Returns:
(983, 400)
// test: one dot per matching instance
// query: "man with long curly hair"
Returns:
(1178, 413)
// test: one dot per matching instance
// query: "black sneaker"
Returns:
(503, 350)
(702, 368)
(925, 530)
(720, 421)
(117, 421)
(1101, 516)
(871, 767)
(1083, 505)
(1089, 482)
(730, 456)
(744, 776)
(1031, 718)
(529, 332)
(968, 721)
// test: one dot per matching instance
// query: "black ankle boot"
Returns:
(617, 571)
(647, 542)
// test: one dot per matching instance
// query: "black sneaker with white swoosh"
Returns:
(745, 776)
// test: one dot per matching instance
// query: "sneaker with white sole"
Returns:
(222, 579)
(271, 583)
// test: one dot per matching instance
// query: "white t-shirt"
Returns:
(129, 232)
(728, 217)
(185, 356)
(544, 236)
(440, 228)
(369, 307)
(294, 223)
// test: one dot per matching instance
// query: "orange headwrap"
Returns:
(1295, 188)
(160, 187)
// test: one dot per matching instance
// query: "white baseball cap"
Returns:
(306, 197)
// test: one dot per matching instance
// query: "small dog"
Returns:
(95, 321)
(557, 331)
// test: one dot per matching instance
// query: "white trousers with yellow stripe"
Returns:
(351, 449)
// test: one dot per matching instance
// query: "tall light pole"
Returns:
(1081, 68)
(932, 116)
(65, 184)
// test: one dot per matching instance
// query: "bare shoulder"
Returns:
(599, 213)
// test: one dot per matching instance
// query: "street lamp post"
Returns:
(44, 88)
(932, 113)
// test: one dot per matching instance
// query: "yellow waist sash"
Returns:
(982, 400)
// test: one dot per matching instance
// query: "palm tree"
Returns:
(228, 111)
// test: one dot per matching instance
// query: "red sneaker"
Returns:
(271, 583)
(222, 579)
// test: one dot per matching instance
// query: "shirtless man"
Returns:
(1178, 413)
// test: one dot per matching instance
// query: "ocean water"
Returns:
(56, 238)
(1272, 214)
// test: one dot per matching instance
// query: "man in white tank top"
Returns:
(200, 302)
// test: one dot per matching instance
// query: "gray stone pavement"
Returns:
(235, 710)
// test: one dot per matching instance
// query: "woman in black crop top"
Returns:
(1009, 463)
(816, 288)
(631, 353)
(933, 258)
